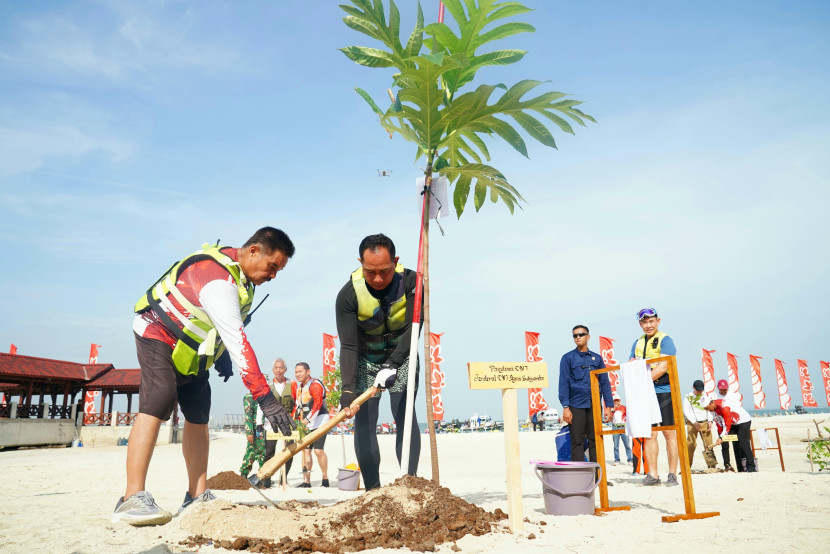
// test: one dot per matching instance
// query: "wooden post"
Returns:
(433, 441)
(510, 376)
(510, 414)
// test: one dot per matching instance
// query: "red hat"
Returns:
(722, 384)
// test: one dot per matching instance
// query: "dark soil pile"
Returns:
(433, 516)
(228, 481)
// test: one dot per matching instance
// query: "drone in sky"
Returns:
(384, 172)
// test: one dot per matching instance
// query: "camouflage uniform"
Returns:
(254, 452)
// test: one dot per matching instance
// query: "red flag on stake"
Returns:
(708, 371)
(825, 375)
(535, 400)
(732, 371)
(606, 350)
(781, 377)
(91, 395)
(13, 349)
(438, 378)
(757, 390)
(329, 364)
(806, 385)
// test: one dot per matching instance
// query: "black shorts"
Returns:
(162, 385)
(666, 409)
(319, 443)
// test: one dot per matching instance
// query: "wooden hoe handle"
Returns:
(272, 465)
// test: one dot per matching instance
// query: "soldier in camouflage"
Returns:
(255, 449)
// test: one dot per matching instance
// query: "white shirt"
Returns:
(732, 401)
(694, 407)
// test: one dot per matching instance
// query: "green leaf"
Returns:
(462, 190)
(372, 104)
(480, 195)
(440, 163)
(370, 57)
(484, 176)
(416, 39)
(534, 128)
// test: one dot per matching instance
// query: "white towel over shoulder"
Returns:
(642, 408)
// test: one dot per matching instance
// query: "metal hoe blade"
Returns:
(255, 481)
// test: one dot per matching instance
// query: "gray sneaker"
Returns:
(140, 509)
(650, 481)
(671, 480)
(206, 496)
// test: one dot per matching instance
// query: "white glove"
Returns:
(386, 376)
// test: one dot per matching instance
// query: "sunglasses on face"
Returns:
(578, 335)
(646, 312)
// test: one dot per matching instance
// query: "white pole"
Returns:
(410, 396)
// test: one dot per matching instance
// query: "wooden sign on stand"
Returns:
(510, 376)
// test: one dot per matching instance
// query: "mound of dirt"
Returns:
(411, 512)
(228, 481)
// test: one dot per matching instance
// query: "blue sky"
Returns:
(132, 132)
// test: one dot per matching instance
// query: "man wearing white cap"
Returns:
(741, 427)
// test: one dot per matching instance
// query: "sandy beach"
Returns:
(61, 499)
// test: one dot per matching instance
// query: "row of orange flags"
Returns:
(758, 396)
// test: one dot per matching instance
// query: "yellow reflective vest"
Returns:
(381, 322)
(651, 349)
(198, 342)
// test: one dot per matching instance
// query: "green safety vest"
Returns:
(198, 342)
(286, 398)
(651, 349)
(382, 323)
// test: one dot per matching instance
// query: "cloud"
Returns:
(124, 42)
(28, 150)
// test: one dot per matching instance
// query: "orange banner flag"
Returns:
(781, 376)
(92, 395)
(708, 371)
(606, 350)
(806, 385)
(758, 395)
(825, 375)
(732, 374)
(329, 365)
(535, 400)
(438, 378)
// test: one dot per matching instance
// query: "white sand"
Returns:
(61, 500)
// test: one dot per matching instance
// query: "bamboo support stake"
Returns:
(510, 413)
(433, 441)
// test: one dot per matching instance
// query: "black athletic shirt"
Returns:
(348, 330)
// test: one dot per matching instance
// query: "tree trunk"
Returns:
(433, 443)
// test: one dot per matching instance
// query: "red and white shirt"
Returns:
(209, 286)
(308, 400)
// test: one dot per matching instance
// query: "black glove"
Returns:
(224, 366)
(386, 376)
(276, 414)
(346, 399)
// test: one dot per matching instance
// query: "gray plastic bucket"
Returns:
(568, 487)
(348, 479)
